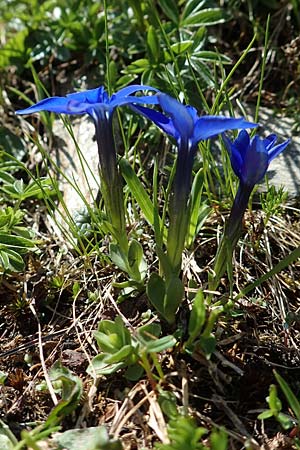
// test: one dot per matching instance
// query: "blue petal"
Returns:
(163, 122)
(52, 104)
(270, 140)
(275, 151)
(134, 88)
(192, 112)
(150, 100)
(255, 163)
(208, 126)
(235, 155)
(242, 142)
(98, 95)
(181, 118)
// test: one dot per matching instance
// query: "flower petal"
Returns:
(242, 142)
(234, 154)
(150, 100)
(255, 162)
(183, 121)
(52, 104)
(128, 90)
(275, 151)
(270, 140)
(163, 122)
(98, 95)
(208, 126)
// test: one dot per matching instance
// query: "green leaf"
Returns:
(38, 189)
(93, 438)
(3, 377)
(6, 177)
(109, 343)
(209, 16)
(274, 402)
(195, 201)
(191, 7)
(7, 439)
(203, 71)
(159, 345)
(135, 259)
(208, 344)
(138, 191)
(168, 403)
(197, 317)
(290, 396)
(4, 260)
(219, 440)
(285, 421)
(15, 50)
(199, 39)
(153, 45)
(265, 415)
(211, 56)
(156, 292)
(5, 442)
(11, 260)
(173, 298)
(134, 372)
(123, 331)
(181, 47)
(101, 367)
(11, 143)
(170, 9)
(111, 336)
(16, 242)
(120, 355)
(138, 66)
(118, 257)
(71, 392)
(112, 73)
(148, 332)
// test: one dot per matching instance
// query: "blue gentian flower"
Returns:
(91, 100)
(98, 104)
(185, 125)
(250, 157)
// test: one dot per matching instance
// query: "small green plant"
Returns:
(185, 435)
(275, 408)
(272, 201)
(92, 438)
(15, 240)
(201, 323)
(69, 387)
(121, 349)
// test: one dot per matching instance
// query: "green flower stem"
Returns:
(179, 206)
(231, 235)
(177, 232)
(111, 180)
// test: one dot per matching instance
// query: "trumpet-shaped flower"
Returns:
(188, 128)
(250, 158)
(98, 104)
(185, 125)
(91, 100)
